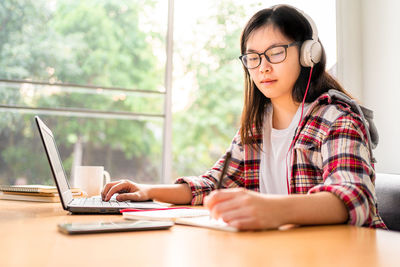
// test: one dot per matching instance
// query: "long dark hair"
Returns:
(296, 27)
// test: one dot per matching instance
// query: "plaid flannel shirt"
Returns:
(330, 154)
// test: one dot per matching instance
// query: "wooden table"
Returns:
(29, 237)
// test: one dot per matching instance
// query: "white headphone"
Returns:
(311, 50)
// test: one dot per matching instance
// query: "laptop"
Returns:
(81, 205)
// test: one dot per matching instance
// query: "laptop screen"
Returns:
(55, 162)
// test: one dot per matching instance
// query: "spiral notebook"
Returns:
(35, 197)
(33, 188)
(37, 193)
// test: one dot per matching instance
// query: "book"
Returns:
(23, 197)
(184, 216)
(74, 194)
(33, 189)
(38, 193)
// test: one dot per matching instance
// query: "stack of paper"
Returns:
(40, 193)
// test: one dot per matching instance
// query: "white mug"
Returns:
(90, 179)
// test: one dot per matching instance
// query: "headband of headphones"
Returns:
(311, 50)
(312, 24)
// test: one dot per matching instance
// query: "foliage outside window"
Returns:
(97, 43)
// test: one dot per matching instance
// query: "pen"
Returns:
(226, 163)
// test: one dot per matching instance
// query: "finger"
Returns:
(123, 186)
(136, 196)
(231, 206)
(231, 215)
(246, 223)
(107, 187)
(222, 195)
(216, 196)
(222, 207)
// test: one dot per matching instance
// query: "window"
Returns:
(94, 72)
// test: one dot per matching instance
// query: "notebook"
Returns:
(28, 197)
(80, 205)
(34, 195)
(167, 214)
(33, 188)
(207, 222)
(184, 216)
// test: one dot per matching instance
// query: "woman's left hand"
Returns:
(244, 209)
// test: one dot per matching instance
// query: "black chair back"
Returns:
(387, 188)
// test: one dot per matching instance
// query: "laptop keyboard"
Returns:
(96, 201)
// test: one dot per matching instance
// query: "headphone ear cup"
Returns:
(316, 52)
(310, 53)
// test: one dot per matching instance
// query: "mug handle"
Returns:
(107, 176)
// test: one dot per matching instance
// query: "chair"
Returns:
(387, 188)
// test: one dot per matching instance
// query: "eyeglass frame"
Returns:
(265, 55)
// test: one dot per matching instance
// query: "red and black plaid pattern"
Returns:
(330, 153)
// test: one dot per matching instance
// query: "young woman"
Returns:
(303, 154)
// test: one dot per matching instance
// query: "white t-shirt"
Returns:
(273, 157)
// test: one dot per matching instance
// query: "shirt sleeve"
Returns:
(347, 169)
(204, 184)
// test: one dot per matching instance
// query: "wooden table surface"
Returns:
(29, 237)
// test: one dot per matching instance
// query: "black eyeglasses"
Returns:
(274, 55)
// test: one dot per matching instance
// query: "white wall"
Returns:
(349, 54)
(369, 67)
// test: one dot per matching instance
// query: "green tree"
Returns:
(211, 121)
(113, 52)
(82, 42)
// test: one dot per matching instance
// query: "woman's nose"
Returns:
(265, 65)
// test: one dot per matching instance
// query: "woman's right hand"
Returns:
(126, 190)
